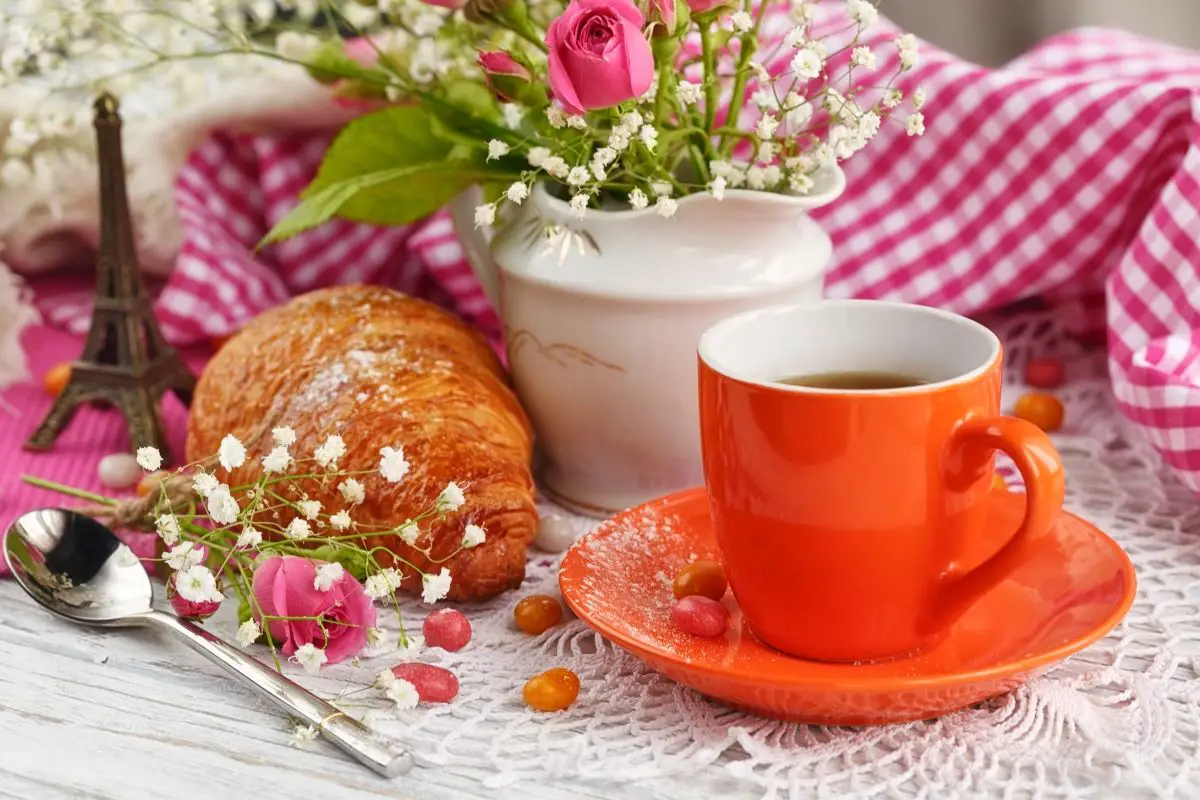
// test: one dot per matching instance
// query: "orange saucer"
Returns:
(1074, 586)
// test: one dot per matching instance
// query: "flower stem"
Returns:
(749, 45)
(710, 75)
(70, 491)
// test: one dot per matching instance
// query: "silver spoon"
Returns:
(78, 569)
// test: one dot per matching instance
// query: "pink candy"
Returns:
(700, 616)
(434, 684)
(447, 629)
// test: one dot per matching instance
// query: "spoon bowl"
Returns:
(78, 569)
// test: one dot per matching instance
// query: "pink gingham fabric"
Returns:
(1070, 175)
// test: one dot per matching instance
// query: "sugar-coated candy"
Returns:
(1044, 410)
(448, 629)
(700, 616)
(537, 613)
(552, 690)
(55, 379)
(705, 578)
(555, 534)
(118, 471)
(1044, 373)
(434, 684)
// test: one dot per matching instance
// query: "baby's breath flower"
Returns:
(537, 156)
(862, 56)
(473, 536)
(765, 99)
(766, 151)
(906, 46)
(248, 538)
(513, 114)
(435, 587)
(377, 637)
(330, 451)
(222, 508)
(497, 149)
(167, 527)
(802, 11)
(772, 175)
(197, 584)
(485, 215)
(298, 528)
(766, 127)
(517, 193)
(666, 207)
(760, 73)
(183, 555)
(352, 491)
(741, 21)
(392, 464)
(248, 633)
(376, 587)
(296, 46)
(15, 172)
(638, 199)
(796, 37)
(149, 459)
(310, 657)
(756, 178)
(409, 533)
(605, 156)
(303, 735)
(598, 171)
(310, 508)
(918, 98)
(717, 187)
(863, 12)
(892, 98)
(341, 520)
(577, 122)
(619, 139)
(578, 176)
(556, 167)
(579, 204)
(327, 575)
(688, 93)
(232, 453)
(649, 136)
(277, 461)
(556, 116)
(915, 124)
(800, 183)
(384, 679)
(806, 64)
(403, 694)
(410, 649)
(283, 436)
(393, 577)
(451, 498)
(632, 121)
(661, 188)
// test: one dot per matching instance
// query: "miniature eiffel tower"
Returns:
(125, 361)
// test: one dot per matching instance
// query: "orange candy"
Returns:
(704, 578)
(1044, 410)
(1044, 373)
(998, 482)
(537, 613)
(552, 690)
(56, 379)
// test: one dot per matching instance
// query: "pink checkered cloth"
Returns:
(1070, 175)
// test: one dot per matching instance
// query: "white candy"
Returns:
(119, 471)
(555, 534)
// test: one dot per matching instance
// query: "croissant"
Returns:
(382, 369)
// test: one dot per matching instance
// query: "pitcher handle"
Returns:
(476, 241)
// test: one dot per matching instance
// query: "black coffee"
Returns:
(853, 380)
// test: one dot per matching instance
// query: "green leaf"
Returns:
(353, 560)
(386, 168)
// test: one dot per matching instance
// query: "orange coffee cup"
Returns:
(844, 516)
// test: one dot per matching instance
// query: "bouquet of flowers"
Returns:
(610, 103)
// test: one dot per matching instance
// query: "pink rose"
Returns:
(598, 55)
(504, 74)
(701, 6)
(283, 587)
(187, 608)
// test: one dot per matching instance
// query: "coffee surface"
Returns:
(853, 380)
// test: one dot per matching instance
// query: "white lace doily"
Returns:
(1121, 719)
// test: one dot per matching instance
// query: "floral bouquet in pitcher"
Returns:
(609, 103)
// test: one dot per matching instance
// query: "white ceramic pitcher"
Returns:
(602, 316)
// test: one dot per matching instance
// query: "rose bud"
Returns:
(506, 77)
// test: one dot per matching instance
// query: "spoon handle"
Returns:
(347, 733)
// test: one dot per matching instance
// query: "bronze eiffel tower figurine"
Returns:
(125, 361)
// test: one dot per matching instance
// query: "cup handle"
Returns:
(1041, 468)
